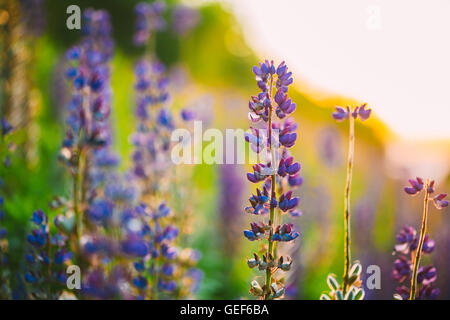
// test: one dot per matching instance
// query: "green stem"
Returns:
(418, 255)
(76, 186)
(80, 174)
(270, 249)
(347, 237)
(272, 198)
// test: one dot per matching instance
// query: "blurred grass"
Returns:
(122, 115)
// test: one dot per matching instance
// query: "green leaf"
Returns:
(324, 296)
(355, 270)
(350, 295)
(359, 294)
(332, 283)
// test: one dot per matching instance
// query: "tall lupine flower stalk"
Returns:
(278, 172)
(88, 129)
(104, 201)
(417, 185)
(170, 269)
(349, 290)
(405, 249)
(167, 271)
(151, 141)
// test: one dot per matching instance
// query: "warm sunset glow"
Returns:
(392, 54)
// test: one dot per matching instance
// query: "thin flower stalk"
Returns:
(418, 254)
(350, 287)
(348, 186)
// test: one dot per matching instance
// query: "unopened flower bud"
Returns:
(256, 289)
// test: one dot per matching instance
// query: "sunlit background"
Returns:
(391, 54)
(394, 55)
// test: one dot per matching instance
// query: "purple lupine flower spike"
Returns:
(172, 266)
(88, 130)
(405, 250)
(276, 133)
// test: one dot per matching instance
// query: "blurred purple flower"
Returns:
(342, 114)
(184, 19)
(230, 200)
(149, 19)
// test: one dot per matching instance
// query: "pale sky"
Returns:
(393, 54)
